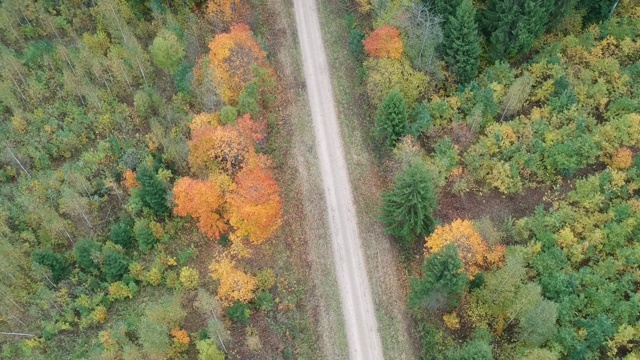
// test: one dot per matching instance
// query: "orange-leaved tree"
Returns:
(254, 129)
(202, 199)
(475, 252)
(224, 148)
(254, 205)
(233, 56)
(235, 284)
(384, 42)
(226, 10)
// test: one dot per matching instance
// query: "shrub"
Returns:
(228, 114)
(266, 278)
(189, 278)
(119, 291)
(239, 312)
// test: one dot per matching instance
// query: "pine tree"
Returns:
(391, 118)
(462, 42)
(152, 193)
(441, 283)
(407, 210)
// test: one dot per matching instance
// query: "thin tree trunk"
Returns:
(18, 161)
(16, 334)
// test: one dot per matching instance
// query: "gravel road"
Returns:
(355, 291)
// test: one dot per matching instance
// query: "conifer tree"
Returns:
(512, 27)
(462, 42)
(391, 118)
(441, 283)
(152, 192)
(447, 8)
(407, 210)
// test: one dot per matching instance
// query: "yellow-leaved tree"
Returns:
(475, 253)
(235, 284)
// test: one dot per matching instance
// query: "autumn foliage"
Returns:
(219, 147)
(621, 159)
(475, 252)
(129, 179)
(255, 207)
(211, 119)
(180, 336)
(202, 200)
(384, 42)
(233, 56)
(235, 285)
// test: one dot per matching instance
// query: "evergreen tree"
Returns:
(512, 27)
(442, 281)
(447, 8)
(55, 262)
(407, 210)
(114, 265)
(391, 118)
(85, 251)
(152, 192)
(462, 42)
(597, 10)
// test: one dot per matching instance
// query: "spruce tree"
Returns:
(512, 27)
(446, 8)
(462, 42)
(152, 192)
(391, 118)
(442, 282)
(407, 210)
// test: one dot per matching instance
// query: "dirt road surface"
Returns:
(355, 291)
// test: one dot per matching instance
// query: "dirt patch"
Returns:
(491, 204)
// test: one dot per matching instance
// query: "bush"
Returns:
(56, 263)
(266, 279)
(122, 233)
(114, 265)
(207, 350)
(239, 312)
(189, 278)
(264, 301)
(85, 251)
(228, 114)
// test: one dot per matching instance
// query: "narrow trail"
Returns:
(355, 290)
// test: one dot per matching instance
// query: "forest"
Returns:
(509, 132)
(141, 204)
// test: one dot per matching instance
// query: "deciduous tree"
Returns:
(384, 42)
(232, 58)
(255, 207)
(235, 284)
(222, 148)
(202, 199)
(474, 251)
